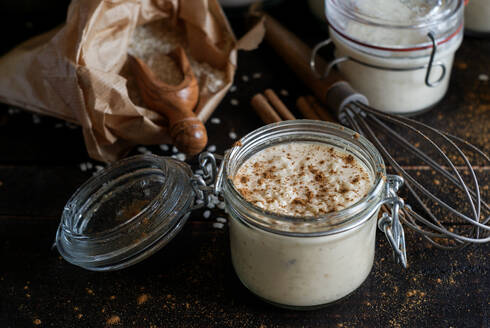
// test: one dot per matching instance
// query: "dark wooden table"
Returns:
(191, 283)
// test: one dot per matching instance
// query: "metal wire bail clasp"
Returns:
(329, 66)
(209, 183)
(432, 64)
(390, 224)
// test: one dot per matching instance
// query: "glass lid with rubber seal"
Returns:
(127, 212)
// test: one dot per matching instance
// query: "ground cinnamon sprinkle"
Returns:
(302, 179)
(113, 320)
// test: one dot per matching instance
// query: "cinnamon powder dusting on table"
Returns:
(303, 179)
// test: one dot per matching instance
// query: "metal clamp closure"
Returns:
(429, 67)
(330, 66)
(209, 183)
(390, 224)
(431, 64)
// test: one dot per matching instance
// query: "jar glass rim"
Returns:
(356, 15)
(348, 214)
(87, 188)
(338, 12)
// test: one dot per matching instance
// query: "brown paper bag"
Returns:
(73, 72)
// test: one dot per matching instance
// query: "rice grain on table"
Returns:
(143, 150)
(215, 120)
(218, 225)
(213, 199)
(181, 157)
(206, 214)
(212, 148)
(232, 135)
(164, 147)
(36, 119)
(71, 125)
(234, 102)
(13, 111)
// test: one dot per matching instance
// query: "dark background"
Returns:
(191, 283)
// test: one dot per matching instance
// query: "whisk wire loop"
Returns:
(399, 120)
(357, 115)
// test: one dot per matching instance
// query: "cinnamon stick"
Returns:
(297, 54)
(321, 111)
(306, 109)
(278, 105)
(264, 109)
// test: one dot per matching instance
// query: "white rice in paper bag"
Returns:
(74, 72)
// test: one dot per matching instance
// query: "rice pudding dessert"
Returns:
(386, 48)
(307, 180)
(302, 179)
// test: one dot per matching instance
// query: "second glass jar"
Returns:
(399, 54)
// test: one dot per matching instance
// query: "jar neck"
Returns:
(304, 131)
(383, 34)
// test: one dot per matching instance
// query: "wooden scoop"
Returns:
(176, 102)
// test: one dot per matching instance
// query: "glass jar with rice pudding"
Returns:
(133, 208)
(399, 54)
(477, 18)
(304, 262)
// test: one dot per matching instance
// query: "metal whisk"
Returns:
(451, 227)
(473, 226)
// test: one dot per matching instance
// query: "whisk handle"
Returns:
(333, 91)
(340, 95)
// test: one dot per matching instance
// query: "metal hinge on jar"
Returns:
(390, 223)
(210, 182)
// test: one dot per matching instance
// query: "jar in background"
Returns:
(477, 17)
(303, 262)
(399, 54)
(317, 8)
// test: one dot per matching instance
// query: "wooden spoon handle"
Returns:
(176, 102)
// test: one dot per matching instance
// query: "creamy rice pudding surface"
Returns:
(302, 179)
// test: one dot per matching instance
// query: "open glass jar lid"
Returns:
(126, 212)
